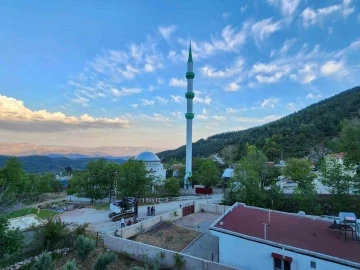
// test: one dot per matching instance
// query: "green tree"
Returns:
(43, 183)
(208, 173)
(271, 148)
(171, 187)
(11, 240)
(14, 175)
(338, 179)
(133, 180)
(299, 171)
(349, 142)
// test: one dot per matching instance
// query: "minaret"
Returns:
(189, 115)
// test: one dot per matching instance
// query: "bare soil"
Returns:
(168, 236)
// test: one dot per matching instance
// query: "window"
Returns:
(281, 264)
(313, 265)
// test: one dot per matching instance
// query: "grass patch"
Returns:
(44, 213)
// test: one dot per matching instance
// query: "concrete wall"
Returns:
(142, 251)
(211, 208)
(147, 224)
(258, 256)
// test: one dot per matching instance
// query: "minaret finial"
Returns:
(190, 54)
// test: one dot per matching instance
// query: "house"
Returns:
(154, 167)
(228, 173)
(339, 159)
(259, 239)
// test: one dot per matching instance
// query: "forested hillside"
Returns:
(37, 164)
(293, 136)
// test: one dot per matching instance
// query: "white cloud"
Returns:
(288, 7)
(291, 107)
(162, 100)
(166, 31)
(176, 99)
(232, 87)
(135, 106)
(312, 17)
(148, 102)
(287, 45)
(270, 102)
(199, 98)
(263, 29)
(269, 79)
(175, 82)
(225, 15)
(332, 67)
(201, 117)
(235, 68)
(258, 121)
(151, 87)
(157, 117)
(204, 111)
(81, 100)
(219, 118)
(15, 116)
(312, 96)
(160, 81)
(308, 72)
(125, 91)
(231, 110)
(243, 8)
(358, 17)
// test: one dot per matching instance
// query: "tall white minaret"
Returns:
(189, 115)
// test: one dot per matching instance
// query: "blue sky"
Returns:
(101, 73)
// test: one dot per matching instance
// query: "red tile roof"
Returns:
(337, 155)
(291, 230)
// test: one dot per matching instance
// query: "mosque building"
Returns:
(153, 165)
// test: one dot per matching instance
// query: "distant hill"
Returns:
(38, 164)
(312, 127)
(28, 149)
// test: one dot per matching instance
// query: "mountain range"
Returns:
(110, 152)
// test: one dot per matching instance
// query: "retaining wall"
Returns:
(140, 251)
(147, 224)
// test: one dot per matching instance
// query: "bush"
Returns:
(70, 265)
(84, 246)
(103, 260)
(81, 229)
(53, 234)
(43, 262)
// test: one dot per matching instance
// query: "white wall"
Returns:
(138, 251)
(249, 255)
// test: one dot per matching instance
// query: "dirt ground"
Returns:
(168, 236)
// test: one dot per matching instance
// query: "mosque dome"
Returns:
(147, 156)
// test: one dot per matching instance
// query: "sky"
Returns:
(112, 73)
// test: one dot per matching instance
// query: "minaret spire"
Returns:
(189, 115)
(190, 54)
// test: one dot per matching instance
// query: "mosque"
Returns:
(153, 165)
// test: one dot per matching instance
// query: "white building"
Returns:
(288, 242)
(153, 165)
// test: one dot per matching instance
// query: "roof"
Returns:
(228, 173)
(147, 156)
(190, 54)
(336, 155)
(288, 229)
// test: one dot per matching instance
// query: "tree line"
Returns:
(254, 182)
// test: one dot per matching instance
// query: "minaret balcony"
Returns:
(189, 116)
(189, 95)
(190, 75)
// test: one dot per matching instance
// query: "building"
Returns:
(288, 242)
(228, 173)
(338, 159)
(153, 166)
(189, 115)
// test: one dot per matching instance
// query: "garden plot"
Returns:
(168, 236)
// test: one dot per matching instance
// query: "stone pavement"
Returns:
(207, 245)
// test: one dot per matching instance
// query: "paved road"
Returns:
(100, 221)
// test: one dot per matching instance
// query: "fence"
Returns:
(211, 208)
(172, 199)
(147, 224)
(140, 251)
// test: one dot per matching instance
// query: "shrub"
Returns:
(53, 234)
(81, 229)
(70, 265)
(179, 261)
(84, 246)
(103, 260)
(43, 262)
